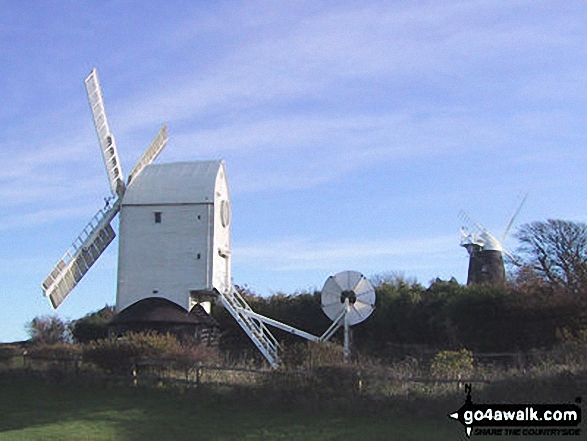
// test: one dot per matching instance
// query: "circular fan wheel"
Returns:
(353, 286)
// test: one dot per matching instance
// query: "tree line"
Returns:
(545, 297)
(445, 315)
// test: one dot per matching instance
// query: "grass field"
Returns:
(34, 409)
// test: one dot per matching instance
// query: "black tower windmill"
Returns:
(485, 249)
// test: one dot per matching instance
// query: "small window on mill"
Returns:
(157, 217)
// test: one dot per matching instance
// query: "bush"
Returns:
(48, 329)
(122, 354)
(7, 352)
(480, 317)
(343, 380)
(573, 346)
(54, 350)
(452, 364)
(185, 358)
(93, 326)
(322, 354)
(310, 355)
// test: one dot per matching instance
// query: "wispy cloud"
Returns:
(408, 110)
(52, 169)
(283, 89)
(306, 253)
(301, 151)
(39, 217)
(289, 90)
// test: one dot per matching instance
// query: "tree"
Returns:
(48, 329)
(92, 326)
(554, 251)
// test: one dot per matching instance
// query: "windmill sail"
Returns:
(513, 218)
(98, 234)
(80, 256)
(150, 154)
(105, 137)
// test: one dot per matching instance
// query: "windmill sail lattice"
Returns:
(105, 137)
(150, 154)
(98, 233)
(81, 255)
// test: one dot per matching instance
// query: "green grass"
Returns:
(35, 409)
(32, 409)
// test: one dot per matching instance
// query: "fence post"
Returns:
(198, 376)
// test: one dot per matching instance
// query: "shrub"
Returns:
(573, 346)
(48, 329)
(54, 350)
(322, 354)
(7, 352)
(121, 354)
(310, 355)
(93, 326)
(185, 358)
(452, 364)
(343, 380)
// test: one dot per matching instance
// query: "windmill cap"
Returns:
(179, 182)
(490, 243)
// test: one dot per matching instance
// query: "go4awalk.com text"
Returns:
(561, 419)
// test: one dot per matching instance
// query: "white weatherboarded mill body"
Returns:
(175, 234)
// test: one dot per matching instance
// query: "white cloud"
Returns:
(306, 253)
(66, 168)
(39, 217)
(287, 84)
(301, 151)
(326, 52)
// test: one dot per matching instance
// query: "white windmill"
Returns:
(174, 254)
(174, 226)
(485, 249)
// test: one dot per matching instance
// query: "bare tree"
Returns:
(48, 329)
(555, 251)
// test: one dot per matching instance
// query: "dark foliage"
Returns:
(93, 326)
(48, 329)
(483, 318)
(120, 355)
(410, 319)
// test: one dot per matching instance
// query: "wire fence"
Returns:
(336, 381)
(410, 377)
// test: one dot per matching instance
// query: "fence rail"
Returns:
(338, 380)
(365, 380)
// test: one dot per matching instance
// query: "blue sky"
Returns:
(353, 132)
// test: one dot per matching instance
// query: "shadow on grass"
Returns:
(33, 408)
